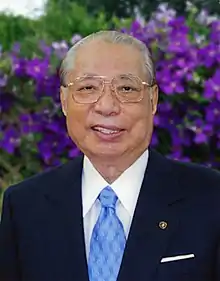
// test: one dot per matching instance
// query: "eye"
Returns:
(83, 88)
(87, 88)
(126, 89)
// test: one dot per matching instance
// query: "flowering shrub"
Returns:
(187, 127)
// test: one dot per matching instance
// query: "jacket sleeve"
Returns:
(9, 270)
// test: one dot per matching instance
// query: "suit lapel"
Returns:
(154, 222)
(65, 202)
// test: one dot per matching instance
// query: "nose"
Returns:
(108, 104)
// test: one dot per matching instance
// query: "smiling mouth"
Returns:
(107, 131)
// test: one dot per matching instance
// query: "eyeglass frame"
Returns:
(109, 82)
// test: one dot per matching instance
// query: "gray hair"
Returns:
(114, 37)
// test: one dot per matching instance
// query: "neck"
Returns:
(111, 169)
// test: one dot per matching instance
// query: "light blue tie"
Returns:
(107, 241)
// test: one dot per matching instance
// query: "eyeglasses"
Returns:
(88, 89)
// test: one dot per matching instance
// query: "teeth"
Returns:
(106, 131)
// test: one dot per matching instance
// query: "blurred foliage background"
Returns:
(63, 18)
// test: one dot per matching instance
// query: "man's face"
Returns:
(131, 122)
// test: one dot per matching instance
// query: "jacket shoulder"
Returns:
(196, 175)
(188, 170)
(197, 170)
(50, 177)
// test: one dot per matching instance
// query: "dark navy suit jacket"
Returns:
(42, 238)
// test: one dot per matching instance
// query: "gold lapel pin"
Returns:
(163, 224)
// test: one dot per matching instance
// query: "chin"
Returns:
(106, 150)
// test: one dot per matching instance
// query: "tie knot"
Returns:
(108, 198)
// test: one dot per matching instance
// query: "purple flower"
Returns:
(60, 45)
(164, 13)
(164, 107)
(29, 124)
(75, 38)
(178, 43)
(172, 86)
(136, 30)
(215, 32)
(163, 75)
(47, 50)
(178, 26)
(60, 48)
(179, 137)
(48, 86)
(46, 151)
(10, 140)
(37, 68)
(202, 131)
(184, 67)
(19, 66)
(212, 86)
(209, 55)
(53, 126)
(212, 113)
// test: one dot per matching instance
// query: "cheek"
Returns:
(141, 118)
(76, 121)
(141, 126)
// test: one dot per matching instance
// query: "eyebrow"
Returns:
(89, 74)
(95, 74)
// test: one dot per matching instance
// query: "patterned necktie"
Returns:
(107, 241)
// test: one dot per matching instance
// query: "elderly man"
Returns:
(121, 211)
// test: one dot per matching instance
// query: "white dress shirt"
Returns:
(126, 187)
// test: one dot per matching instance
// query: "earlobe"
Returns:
(154, 99)
(63, 101)
(64, 112)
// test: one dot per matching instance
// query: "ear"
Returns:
(154, 98)
(63, 99)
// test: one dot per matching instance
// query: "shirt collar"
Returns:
(126, 187)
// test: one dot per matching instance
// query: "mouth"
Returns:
(107, 132)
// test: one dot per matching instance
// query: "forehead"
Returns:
(108, 59)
